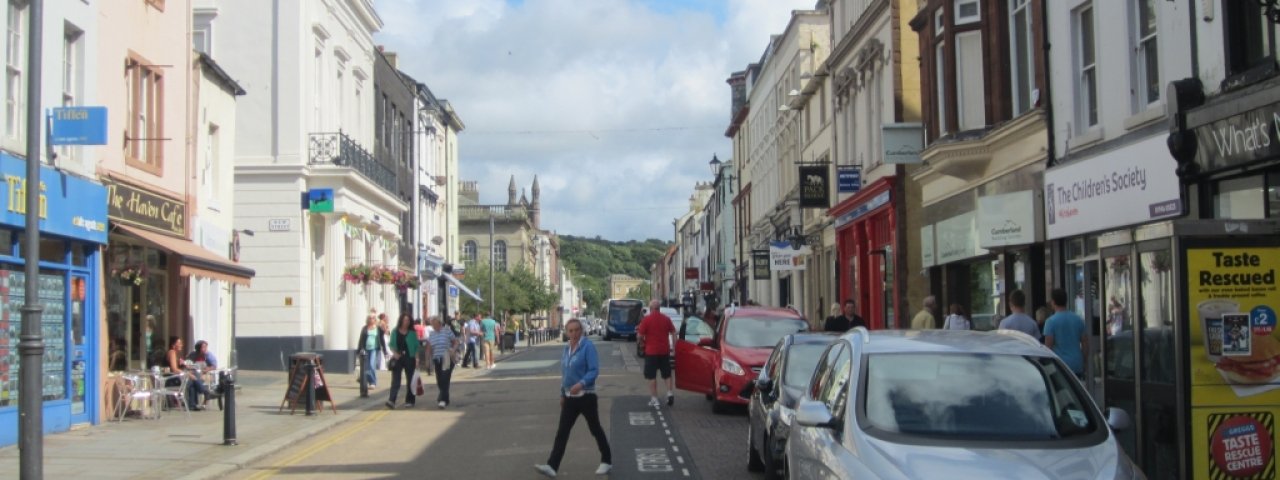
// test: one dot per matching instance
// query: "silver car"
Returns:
(931, 404)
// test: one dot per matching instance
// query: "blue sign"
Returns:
(69, 206)
(877, 201)
(453, 291)
(848, 178)
(78, 126)
(320, 200)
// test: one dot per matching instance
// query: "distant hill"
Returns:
(592, 260)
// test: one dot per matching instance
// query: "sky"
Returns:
(616, 105)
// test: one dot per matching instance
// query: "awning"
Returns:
(194, 259)
(458, 283)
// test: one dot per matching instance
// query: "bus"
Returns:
(621, 315)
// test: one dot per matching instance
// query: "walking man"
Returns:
(490, 328)
(925, 319)
(580, 365)
(844, 322)
(471, 332)
(1019, 320)
(1064, 333)
(656, 334)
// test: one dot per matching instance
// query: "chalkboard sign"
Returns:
(297, 392)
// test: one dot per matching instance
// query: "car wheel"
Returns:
(718, 407)
(754, 463)
(772, 465)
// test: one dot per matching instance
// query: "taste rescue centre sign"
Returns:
(135, 206)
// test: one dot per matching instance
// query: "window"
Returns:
(500, 255)
(1020, 46)
(15, 61)
(971, 103)
(358, 118)
(1146, 62)
(469, 251)
(968, 11)
(72, 78)
(1240, 198)
(1250, 40)
(317, 90)
(940, 84)
(339, 87)
(1086, 70)
(212, 174)
(144, 140)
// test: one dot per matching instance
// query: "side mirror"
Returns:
(813, 414)
(764, 384)
(705, 342)
(1118, 419)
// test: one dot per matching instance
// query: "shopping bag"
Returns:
(416, 384)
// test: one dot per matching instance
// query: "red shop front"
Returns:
(865, 224)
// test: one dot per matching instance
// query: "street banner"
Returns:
(814, 186)
(1235, 360)
(784, 258)
(760, 264)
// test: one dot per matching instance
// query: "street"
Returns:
(503, 421)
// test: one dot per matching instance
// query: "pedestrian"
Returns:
(656, 334)
(471, 331)
(490, 328)
(924, 320)
(1042, 314)
(371, 346)
(846, 321)
(385, 328)
(580, 365)
(404, 352)
(441, 352)
(1019, 320)
(957, 320)
(832, 314)
(1064, 333)
(424, 332)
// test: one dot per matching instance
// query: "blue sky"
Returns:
(616, 105)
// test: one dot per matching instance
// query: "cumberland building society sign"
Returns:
(1007, 219)
(135, 206)
(1127, 186)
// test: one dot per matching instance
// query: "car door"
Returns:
(761, 410)
(695, 364)
(814, 452)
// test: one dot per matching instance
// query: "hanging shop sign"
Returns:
(1232, 300)
(815, 186)
(78, 126)
(320, 200)
(957, 238)
(848, 178)
(691, 273)
(902, 142)
(1007, 219)
(1129, 186)
(784, 258)
(134, 206)
(69, 206)
(760, 264)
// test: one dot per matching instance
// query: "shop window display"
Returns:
(52, 291)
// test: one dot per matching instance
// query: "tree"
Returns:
(642, 292)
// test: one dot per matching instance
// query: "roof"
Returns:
(814, 337)
(954, 341)
(221, 75)
(755, 311)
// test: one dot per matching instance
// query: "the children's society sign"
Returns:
(1129, 186)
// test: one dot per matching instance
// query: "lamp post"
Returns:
(30, 341)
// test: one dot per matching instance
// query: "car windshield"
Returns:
(802, 358)
(973, 396)
(751, 332)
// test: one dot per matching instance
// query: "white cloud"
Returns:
(586, 79)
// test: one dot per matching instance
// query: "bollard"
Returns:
(229, 407)
(364, 376)
(311, 388)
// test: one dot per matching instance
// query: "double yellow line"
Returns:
(317, 448)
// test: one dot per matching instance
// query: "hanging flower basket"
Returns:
(358, 274)
(406, 281)
(130, 276)
(382, 275)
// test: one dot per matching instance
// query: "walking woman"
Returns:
(957, 320)
(441, 350)
(580, 365)
(371, 346)
(404, 352)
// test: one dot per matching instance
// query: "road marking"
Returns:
(686, 472)
(314, 449)
(668, 430)
(644, 419)
(675, 449)
(680, 459)
(649, 460)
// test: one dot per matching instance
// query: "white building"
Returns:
(307, 125)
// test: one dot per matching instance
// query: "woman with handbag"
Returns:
(370, 346)
(404, 352)
(441, 350)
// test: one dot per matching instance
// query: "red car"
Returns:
(721, 360)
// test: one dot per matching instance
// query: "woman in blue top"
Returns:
(580, 367)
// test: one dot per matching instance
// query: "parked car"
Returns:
(723, 360)
(773, 400)
(951, 404)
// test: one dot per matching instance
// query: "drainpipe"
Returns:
(1052, 152)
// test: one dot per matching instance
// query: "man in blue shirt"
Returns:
(490, 327)
(1065, 334)
(1019, 320)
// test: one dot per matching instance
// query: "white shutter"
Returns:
(970, 89)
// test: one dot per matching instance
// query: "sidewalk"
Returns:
(177, 447)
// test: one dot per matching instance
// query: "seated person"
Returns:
(119, 358)
(201, 354)
(195, 385)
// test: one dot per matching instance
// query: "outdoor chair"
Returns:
(176, 393)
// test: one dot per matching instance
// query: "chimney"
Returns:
(391, 58)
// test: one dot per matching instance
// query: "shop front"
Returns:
(866, 226)
(73, 229)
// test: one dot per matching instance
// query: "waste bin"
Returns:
(509, 341)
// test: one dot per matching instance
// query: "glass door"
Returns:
(1120, 340)
(76, 312)
(1157, 372)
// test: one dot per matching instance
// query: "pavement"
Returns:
(176, 446)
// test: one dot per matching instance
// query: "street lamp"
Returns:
(715, 165)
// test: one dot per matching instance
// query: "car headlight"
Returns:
(730, 366)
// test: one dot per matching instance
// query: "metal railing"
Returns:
(339, 149)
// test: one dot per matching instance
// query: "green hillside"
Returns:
(592, 260)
